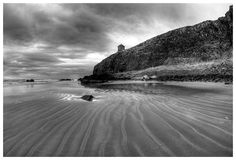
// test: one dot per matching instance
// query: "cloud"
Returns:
(60, 40)
(29, 23)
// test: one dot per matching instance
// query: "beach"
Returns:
(126, 118)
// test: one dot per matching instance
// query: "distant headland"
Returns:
(202, 52)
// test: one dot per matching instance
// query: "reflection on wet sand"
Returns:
(30, 85)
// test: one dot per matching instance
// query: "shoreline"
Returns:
(192, 84)
(153, 81)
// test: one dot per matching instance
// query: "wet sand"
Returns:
(125, 119)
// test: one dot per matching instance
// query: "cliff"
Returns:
(203, 42)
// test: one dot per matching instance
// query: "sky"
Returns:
(53, 41)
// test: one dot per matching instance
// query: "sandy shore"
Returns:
(144, 119)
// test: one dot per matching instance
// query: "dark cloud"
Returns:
(142, 12)
(14, 27)
(23, 24)
(63, 40)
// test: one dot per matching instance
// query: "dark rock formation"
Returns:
(30, 80)
(87, 97)
(66, 79)
(97, 78)
(206, 41)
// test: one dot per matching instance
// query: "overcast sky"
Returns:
(67, 40)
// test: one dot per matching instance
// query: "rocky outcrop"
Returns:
(101, 78)
(206, 41)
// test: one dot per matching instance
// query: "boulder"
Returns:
(153, 77)
(145, 77)
(87, 97)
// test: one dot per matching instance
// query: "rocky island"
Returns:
(202, 52)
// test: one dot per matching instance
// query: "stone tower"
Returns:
(121, 47)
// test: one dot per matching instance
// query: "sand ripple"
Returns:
(120, 123)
